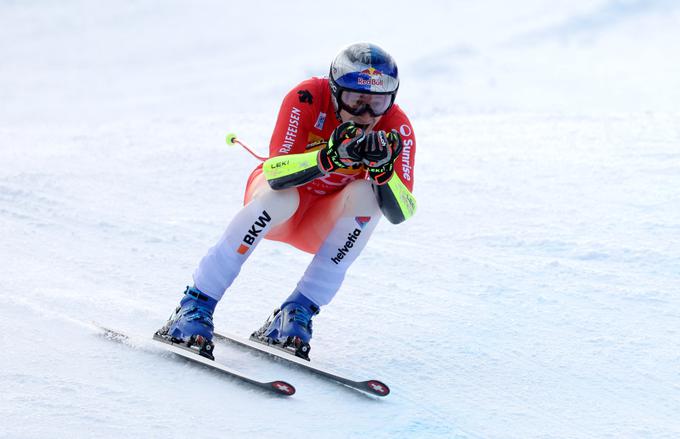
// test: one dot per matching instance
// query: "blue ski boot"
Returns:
(191, 324)
(290, 327)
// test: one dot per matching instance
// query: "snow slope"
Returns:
(534, 294)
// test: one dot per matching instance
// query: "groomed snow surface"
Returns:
(533, 295)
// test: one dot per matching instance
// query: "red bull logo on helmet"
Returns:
(372, 72)
(374, 77)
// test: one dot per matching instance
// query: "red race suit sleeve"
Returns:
(295, 120)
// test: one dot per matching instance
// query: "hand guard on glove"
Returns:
(379, 152)
(349, 146)
(343, 149)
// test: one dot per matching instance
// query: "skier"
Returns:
(341, 156)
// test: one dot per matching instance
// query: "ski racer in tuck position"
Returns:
(341, 156)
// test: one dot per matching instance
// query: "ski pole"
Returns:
(232, 140)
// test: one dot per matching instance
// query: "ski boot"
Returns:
(290, 327)
(191, 324)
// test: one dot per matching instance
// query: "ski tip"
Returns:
(283, 388)
(378, 388)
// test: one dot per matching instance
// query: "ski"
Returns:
(277, 387)
(373, 387)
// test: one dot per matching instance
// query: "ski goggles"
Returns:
(357, 103)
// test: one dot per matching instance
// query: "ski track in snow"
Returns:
(533, 295)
